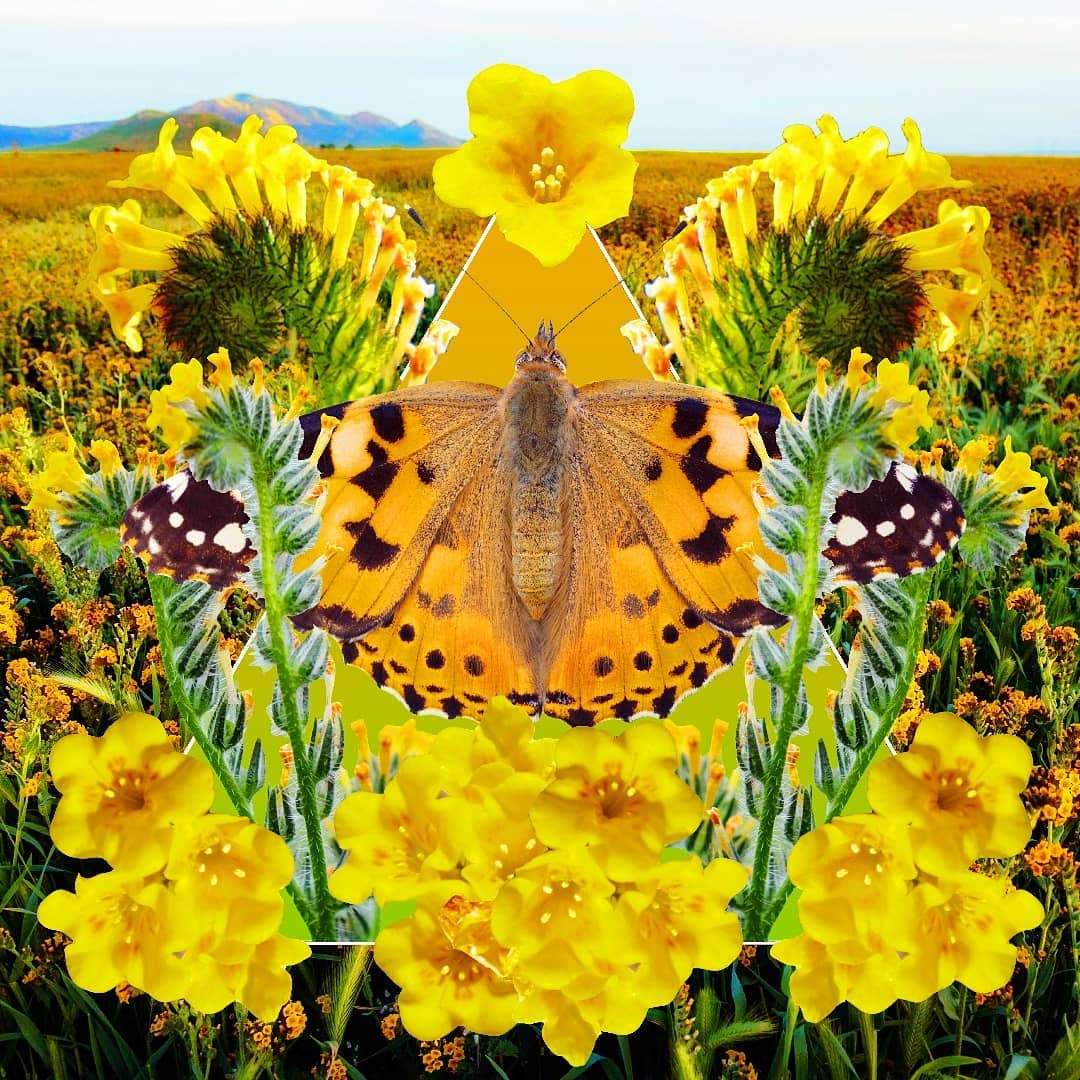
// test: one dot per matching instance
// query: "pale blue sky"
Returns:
(979, 78)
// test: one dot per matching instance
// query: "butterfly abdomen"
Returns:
(538, 443)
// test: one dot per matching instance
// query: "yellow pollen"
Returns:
(109, 793)
(208, 851)
(548, 177)
(972, 794)
(213, 879)
(868, 880)
(504, 848)
(631, 792)
(530, 844)
(498, 864)
(547, 890)
(226, 848)
(879, 868)
(855, 849)
(571, 912)
(202, 868)
(461, 976)
(239, 873)
(444, 970)
(545, 918)
(871, 851)
(577, 898)
(842, 872)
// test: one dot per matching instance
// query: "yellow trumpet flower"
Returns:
(160, 170)
(545, 158)
(916, 171)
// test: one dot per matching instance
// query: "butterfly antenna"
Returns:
(622, 281)
(526, 336)
(411, 211)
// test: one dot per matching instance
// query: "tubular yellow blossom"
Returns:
(857, 375)
(124, 243)
(955, 243)
(973, 455)
(1015, 474)
(656, 357)
(916, 171)
(125, 308)
(107, 456)
(752, 424)
(838, 159)
(663, 291)
(392, 237)
(346, 195)
(824, 369)
(684, 254)
(874, 169)
(730, 194)
(416, 291)
(61, 475)
(239, 159)
(161, 171)
(222, 375)
(778, 398)
(955, 308)
(205, 169)
(424, 356)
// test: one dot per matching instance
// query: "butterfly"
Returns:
(588, 552)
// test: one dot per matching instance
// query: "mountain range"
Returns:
(315, 127)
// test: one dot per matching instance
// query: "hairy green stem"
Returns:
(194, 727)
(192, 720)
(321, 923)
(757, 927)
(864, 758)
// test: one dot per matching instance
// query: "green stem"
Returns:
(785, 724)
(193, 723)
(321, 910)
(192, 719)
(864, 758)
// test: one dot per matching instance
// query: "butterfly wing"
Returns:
(662, 583)
(459, 635)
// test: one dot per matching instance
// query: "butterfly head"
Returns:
(542, 350)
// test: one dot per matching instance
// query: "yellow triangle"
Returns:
(488, 342)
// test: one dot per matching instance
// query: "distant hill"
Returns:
(140, 132)
(28, 138)
(315, 127)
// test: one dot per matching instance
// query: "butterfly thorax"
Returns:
(539, 442)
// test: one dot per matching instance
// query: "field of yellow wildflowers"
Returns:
(1000, 650)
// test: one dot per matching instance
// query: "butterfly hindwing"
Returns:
(457, 638)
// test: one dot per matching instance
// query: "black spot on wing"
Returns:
(603, 666)
(699, 674)
(413, 698)
(452, 707)
(643, 661)
(473, 665)
(697, 468)
(665, 702)
(690, 416)
(375, 479)
(388, 421)
(670, 634)
(624, 709)
(407, 632)
(710, 546)
(435, 659)
(370, 551)
(580, 717)
(425, 473)
(653, 469)
(345, 625)
(742, 616)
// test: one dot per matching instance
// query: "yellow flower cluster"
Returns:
(889, 908)
(255, 174)
(1013, 482)
(844, 174)
(192, 906)
(540, 891)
